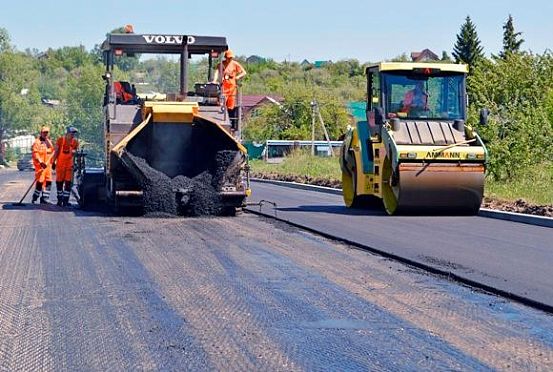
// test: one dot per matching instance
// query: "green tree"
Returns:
(467, 48)
(85, 90)
(125, 63)
(20, 101)
(5, 42)
(293, 119)
(518, 92)
(511, 40)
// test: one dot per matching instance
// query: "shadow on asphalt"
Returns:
(372, 211)
(14, 206)
(333, 209)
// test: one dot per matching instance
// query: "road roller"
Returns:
(415, 153)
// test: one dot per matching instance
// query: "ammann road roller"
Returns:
(415, 151)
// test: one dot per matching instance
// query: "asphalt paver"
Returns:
(88, 291)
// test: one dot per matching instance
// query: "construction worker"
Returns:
(232, 71)
(415, 99)
(43, 151)
(66, 147)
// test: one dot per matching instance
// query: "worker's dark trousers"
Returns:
(44, 190)
(233, 115)
(63, 192)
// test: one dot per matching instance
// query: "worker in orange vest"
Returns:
(66, 147)
(232, 71)
(121, 95)
(42, 152)
(415, 99)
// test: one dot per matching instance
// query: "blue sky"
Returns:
(285, 29)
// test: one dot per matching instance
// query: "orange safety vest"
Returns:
(230, 71)
(120, 92)
(409, 100)
(42, 153)
(65, 151)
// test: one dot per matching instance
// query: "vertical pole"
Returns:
(210, 67)
(313, 128)
(324, 130)
(184, 71)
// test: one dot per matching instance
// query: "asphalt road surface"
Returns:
(510, 256)
(87, 291)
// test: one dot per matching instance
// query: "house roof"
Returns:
(424, 55)
(249, 102)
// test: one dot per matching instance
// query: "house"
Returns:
(305, 63)
(251, 103)
(424, 56)
(255, 59)
(320, 64)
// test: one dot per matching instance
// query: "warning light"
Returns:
(118, 52)
(427, 71)
(214, 54)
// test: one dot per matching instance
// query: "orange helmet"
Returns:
(45, 129)
(229, 54)
(129, 29)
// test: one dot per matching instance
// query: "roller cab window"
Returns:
(411, 95)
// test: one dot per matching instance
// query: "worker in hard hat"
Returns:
(232, 72)
(42, 152)
(66, 147)
(415, 99)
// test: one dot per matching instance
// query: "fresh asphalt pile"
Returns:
(181, 195)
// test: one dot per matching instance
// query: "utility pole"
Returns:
(313, 105)
(324, 129)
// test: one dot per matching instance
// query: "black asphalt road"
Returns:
(85, 291)
(512, 257)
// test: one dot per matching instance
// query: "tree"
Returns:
(467, 48)
(4, 40)
(511, 39)
(445, 57)
(127, 62)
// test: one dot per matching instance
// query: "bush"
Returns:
(518, 91)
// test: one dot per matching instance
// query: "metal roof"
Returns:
(409, 66)
(164, 44)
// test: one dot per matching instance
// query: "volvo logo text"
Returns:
(168, 39)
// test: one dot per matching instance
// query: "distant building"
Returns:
(23, 143)
(255, 59)
(320, 64)
(251, 103)
(424, 56)
(305, 63)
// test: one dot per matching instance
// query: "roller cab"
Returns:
(414, 153)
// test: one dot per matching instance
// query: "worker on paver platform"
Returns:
(42, 151)
(232, 72)
(66, 147)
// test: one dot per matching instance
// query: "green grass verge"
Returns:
(535, 187)
(301, 164)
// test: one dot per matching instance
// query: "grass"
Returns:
(535, 187)
(301, 164)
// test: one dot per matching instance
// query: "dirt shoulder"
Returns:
(517, 206)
